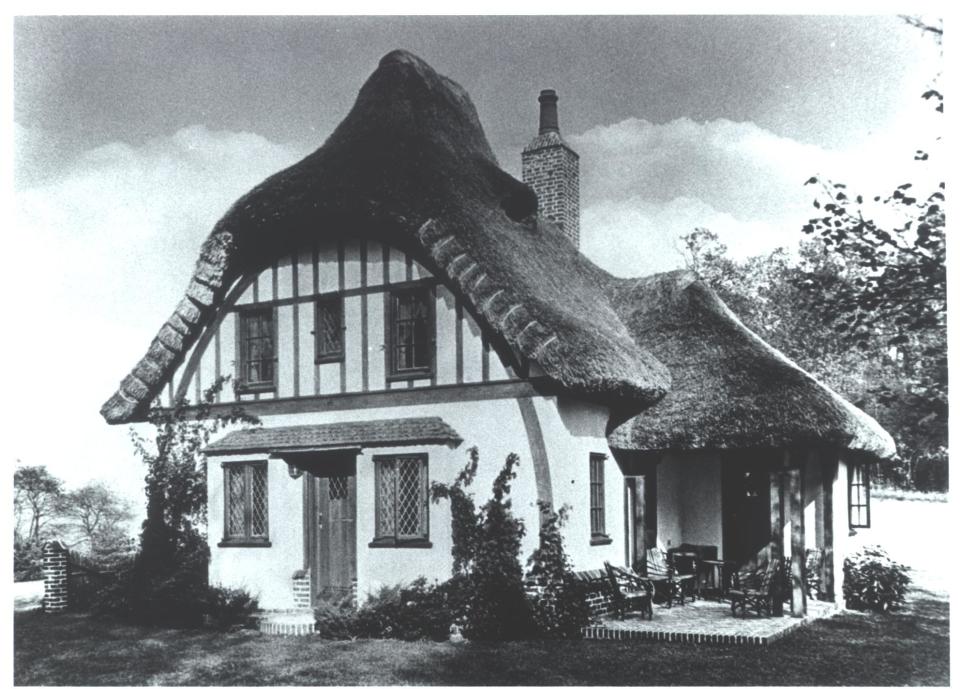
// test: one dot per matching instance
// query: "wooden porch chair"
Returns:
(758, 595)
(666, 580)
(629, 590)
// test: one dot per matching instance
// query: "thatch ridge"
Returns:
(730, 388)
(410, 165)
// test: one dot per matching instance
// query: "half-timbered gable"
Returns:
(341, 319)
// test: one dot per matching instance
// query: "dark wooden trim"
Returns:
(776, 520)
(459, 339)
(275, 279)
(197, 383)
(538, 449)
(341, 283)
(295, 276)
(316, 266)
(798, 585)
(341, 267)
(352, 292)
(256, 289)
(440, 394)
(395, 543)
(386, 264)
(244, 544)
(204, 339)
(216, 360)
(485, 361)
(364, 344)
(639, 521)
(307, 515)
(408, 259)
(829, 476)
(600, 540)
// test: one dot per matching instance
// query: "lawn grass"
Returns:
(910, 647)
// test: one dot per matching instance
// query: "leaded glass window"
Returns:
(597, 513)
(329, 330)
(245, 502)
(411, 333)
(401, 499)
(859, 496)
(257, 353)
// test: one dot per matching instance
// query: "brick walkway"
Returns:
(705, 622)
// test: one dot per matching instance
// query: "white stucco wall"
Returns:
(689, 501)
(571, 431)
(264, 572)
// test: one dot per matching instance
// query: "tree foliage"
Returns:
(93, 517)
(36, 493)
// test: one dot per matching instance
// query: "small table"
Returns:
(717, 569)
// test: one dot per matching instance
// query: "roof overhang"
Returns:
(288, 441)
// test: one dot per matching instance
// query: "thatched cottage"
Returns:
(396, 298)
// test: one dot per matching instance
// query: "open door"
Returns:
(746, 509)
(330, 512)
(640, 505)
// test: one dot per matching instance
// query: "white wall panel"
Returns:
(375, 342)
(285, 359)
(352, 344)
(284, 278)
(446, 337)
(374, 263)
(305, 272)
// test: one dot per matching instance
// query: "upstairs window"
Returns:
(257, 344)
(859, 495)
(401, 501)
(598, 518)
(411, 334)
(329, 330)
(245, 503)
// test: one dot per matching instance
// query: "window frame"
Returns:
(598, 500)
(244, 385)
(394, 540)
(247, 540)
(391, 332)
(859, 470)
(328, 357)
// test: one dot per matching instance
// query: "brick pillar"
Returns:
(54, 576)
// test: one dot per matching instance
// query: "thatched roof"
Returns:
(410, 166)
(730, 388)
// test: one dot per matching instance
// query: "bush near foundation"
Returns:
(873, 581)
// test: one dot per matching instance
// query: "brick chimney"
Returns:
(552, 169)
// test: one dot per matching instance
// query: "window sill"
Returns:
(252, 389)
(409, 375)
(394, 543)
(244, 544)
(600, 539)
(329, 359)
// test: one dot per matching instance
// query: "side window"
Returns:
(245, 515)
(410, 345)
(598, 517)
(329, 330)
(256, 344)
(858, 492)
(401, 501)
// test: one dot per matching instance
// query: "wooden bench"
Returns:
(629, 591)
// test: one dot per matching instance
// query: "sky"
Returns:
(133, 135)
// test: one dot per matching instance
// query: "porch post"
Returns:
(776, 527)
(798, 599)
(639, 520)
(829, 473)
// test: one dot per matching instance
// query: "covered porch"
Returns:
(746, 506)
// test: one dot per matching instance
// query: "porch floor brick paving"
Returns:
(705, 622)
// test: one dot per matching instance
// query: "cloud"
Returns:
(645, 185)
(105, 250)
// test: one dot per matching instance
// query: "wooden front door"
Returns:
(746, 509)
(331, 510)
(641, 516)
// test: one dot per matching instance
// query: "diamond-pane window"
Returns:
(245, 508)
(401, 501)
(329, 329)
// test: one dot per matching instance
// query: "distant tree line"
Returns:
(91, 520)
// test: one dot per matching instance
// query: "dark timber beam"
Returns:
(798, 593)
(776, 526)
(829, 474)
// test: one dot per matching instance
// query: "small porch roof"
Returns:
(427, 430)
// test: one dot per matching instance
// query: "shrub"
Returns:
(229, 608)
(560, 609)
(872, 581)
(336, 619)
(27, 560)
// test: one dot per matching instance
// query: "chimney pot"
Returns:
(549, 121)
